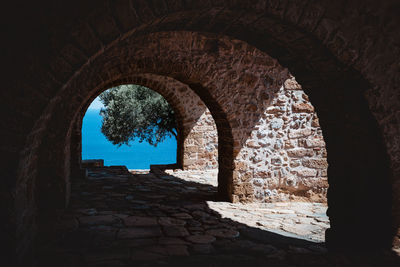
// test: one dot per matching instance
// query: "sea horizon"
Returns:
(136, 156)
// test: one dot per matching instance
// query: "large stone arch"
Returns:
(257, 80)
(197, 134)
(331, 42)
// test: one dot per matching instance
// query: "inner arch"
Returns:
(199, 77)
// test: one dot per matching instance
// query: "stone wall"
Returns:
(286, 152)
(344, 54)
(201, 142)
(284, 155)
(273, 126)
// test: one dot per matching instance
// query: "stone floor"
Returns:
(292, 218)
(117, 218)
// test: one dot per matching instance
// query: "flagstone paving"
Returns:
(292, 218)
(117, 218)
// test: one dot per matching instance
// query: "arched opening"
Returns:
(232, 106)
(311, 40)
(197, 144)
(136, 128)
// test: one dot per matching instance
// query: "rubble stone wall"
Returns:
(285, 155)
(278, 148)
(346, 62)
(286, 152)
(201, 142)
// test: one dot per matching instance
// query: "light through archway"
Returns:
(134, 155)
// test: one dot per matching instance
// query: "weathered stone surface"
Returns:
(182, 215)
(139, 232)
(315, 163)
(300, 153)
(305, 172)
(223, 233)
(178, 231)
(171, 241)
(201, 239)
(299, 133)
(314, 143)
(302, 107)
(207, 224)
(351, 75)
(168, 221)
(291, 84)
(276, 124)
(140, 221)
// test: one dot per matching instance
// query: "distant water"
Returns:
(136, 156)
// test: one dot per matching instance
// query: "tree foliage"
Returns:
(136, 112)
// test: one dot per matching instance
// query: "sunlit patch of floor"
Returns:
(117, 218)
(304, 220)
(209, 177)
(294, 219)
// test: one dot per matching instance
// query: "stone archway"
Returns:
(313, 39)
(197, 134)
(256, 83)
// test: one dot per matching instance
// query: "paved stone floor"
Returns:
(117, 218)
(293, 218)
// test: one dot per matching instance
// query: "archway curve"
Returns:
(283, 12)
(76, 124)
(274, 81)
(188, 109)
(146, 62)
(248, 80)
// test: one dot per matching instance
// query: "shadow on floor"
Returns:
(116, 218)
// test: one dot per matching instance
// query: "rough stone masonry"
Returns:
(284, 156)
(344, 54)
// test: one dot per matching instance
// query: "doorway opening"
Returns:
(129, 125)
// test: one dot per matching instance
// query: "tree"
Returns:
(133, 111)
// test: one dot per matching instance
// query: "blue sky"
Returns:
(96, 104)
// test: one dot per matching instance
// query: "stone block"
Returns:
(245, 177)
(276, 124)
(140, 221)
(302, 108)
(289, 144)
(300, 152)
(291, 84)
(253, 144)
(241, 166)
(315, 122)
(300, 133)
(274, 110)
(294, 163)
(139, 232)
(305, 172)
(192, 149)
(262, 174)
(277, 161)
(314, 143)
(258, 182)
(315, 163)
